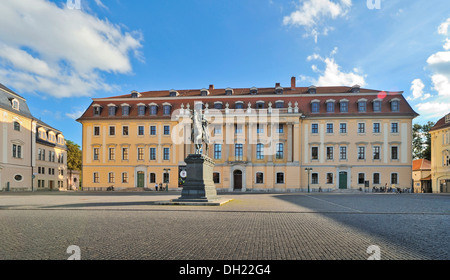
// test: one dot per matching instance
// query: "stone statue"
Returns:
(200, 132)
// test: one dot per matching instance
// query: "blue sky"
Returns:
(59, 54)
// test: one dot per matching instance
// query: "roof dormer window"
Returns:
(395, 105)
(315, 106)
(125, 109)
(97, 109)
(218, 105)
(253, 91)
(447, 118)
(228, 91)
(204, 92)
(141, 109)
(362, 105)
(167, 109)
(135, 94)
(260, 104)
(153, 109)
(112, 110)
(15, 104)
(312, 90)
(356, 89)
(173, 93)
(279, 90)
(239, 105)
(279, 104)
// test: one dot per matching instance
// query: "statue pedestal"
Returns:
(199, 185)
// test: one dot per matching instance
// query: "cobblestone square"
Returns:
(129, 226)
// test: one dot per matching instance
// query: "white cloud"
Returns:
(439, 64)
(312, 15)
(443, 28)
(433, 109)
(332, 75)
(75, 115)
(60, 51)
(417, 87)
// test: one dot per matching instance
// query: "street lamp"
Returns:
(167, 171)
(308, 169)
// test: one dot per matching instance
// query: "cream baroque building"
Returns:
(32, 153)
(440, 155)
(263, 139)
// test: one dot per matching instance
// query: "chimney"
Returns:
(277, 85)
(211, 87)
(293, 83)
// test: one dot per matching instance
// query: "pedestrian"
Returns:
(160, 186)
(385, 187)
(156, 186)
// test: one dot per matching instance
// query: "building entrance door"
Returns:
(237, 179)
(342, 180)
(140, 179)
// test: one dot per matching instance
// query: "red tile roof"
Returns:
(421, 164)
(293, 95)
(440, 124)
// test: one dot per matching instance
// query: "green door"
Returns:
(140, 179)
(343, 180)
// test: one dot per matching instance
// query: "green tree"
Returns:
(73, 156)
(417, 141)
(426, 154)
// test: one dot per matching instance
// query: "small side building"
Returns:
(422, 176)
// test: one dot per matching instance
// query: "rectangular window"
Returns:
(394, 127)
(152, 177)
(112, 131)
(314, 178)
(280, 178)
(96, 178)
(152, 153)
(217, 130)
(330, 153)
(112, 154)
(376, 152)
(343, 128)
(376, 178)
(111, 177)
(125, 130)
(361, 152)
(217, 151)
(280, 151)
(216, 177)
(141, 131)
(166, 153)
(314, 152)
(376, 127)
(394, 152)
(259, 178)
(329, 178)
(141, 110)
(314, 128)
(259, 151)
(124, 153)
(329, 128)
(280, 128)
(112, 110)
(167, 130)
(124, 177)
(361, 128)
(394, 178)
(140, 153)
(238, 152)
(361, 178)
(96, 130)
(153, 130)
(96, 153)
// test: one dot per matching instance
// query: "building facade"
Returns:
(24, 166)
(262, 139)
(440, 155)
